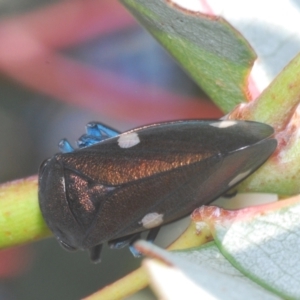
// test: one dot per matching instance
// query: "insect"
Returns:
(115, 186)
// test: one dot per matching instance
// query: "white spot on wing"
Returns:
(63, 183)
(152, 220)
(223, 124)
(239, 177)
(128, 140)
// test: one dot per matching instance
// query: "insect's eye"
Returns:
(84, 197)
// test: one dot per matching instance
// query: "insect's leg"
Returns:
(132, 249)
(95, 253)
(100, 130)
(134, 252)
(95, 133)
(123, 241)
(152, 234)
(87, 140)
(65, 147)
(150, 238)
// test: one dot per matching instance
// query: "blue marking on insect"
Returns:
(115, 186)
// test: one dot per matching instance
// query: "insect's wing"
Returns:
(149, 150)
(168, 196)
(113, 188)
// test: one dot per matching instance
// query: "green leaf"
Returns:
(202, 272)
(277, 106)
(213, 53)
(261, 241)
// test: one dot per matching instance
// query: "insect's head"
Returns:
(55, 206)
